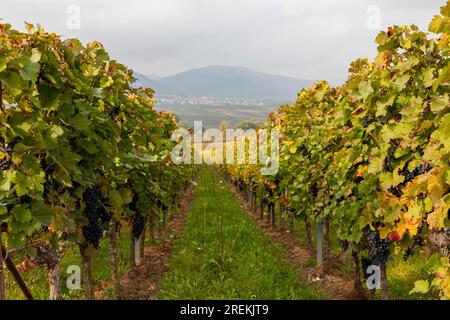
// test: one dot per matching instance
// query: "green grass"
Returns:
(36, 279)
(224, 255)
(403, 274)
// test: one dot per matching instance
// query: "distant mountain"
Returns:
(225, 82)
(153, 77)
(234, 82)
(144, 81)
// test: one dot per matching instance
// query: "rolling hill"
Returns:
(225, 82)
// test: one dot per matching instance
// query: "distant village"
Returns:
(208, 101)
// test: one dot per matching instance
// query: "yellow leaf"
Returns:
(414, 212)
(436, 218)
(407, 224)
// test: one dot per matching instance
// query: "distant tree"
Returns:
(184, 124)
(248, 124)
(224, 125)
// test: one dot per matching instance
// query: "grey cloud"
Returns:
(307, 39)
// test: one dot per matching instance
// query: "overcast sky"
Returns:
(305, 39)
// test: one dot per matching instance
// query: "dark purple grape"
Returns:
(344, 244)
(382, 120)
(395, 191)
(379, 249)
(358, 179)
(366, 122)
(4, 227)
(25, 199)
(12, 144)
(388, 165)
(5, 164)
(92, 233)
(137, 225)
(92, 199)
(340, 199)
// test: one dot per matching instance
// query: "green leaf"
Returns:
(21, 214)
(15, 241)
(127, 196)
(13, 80)
(421, 286)
(30, 71)
(391, 132)
(3, 63)
(30, 28)
(365, 89)
(400, 83)
(97, 92)
(42, 213)
(383, 103)
(74, 45)
(55, 131)
(428, 204)
(388, 180)
(428, 77)
(376, 165)
(105, 82)
(116, 199)
(89, 146)
(23, 184)
(5, 180)
(48, 96)
(439, 104)
(51, 135)
(81, 121)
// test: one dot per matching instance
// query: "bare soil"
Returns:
(143, 283)
(333, 284)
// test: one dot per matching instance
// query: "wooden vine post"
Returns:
(326, 245)
(16, 275)
(319, 250)
(383, 280)
(151, 225)
(142, 244)
(1, 97)
(261, 215)
(87, 272)
(2, 283)
(132, 257)
(137, 250)
(309, 236)
(255, 199)
(113, 256)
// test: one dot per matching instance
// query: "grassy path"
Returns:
(224, 255)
